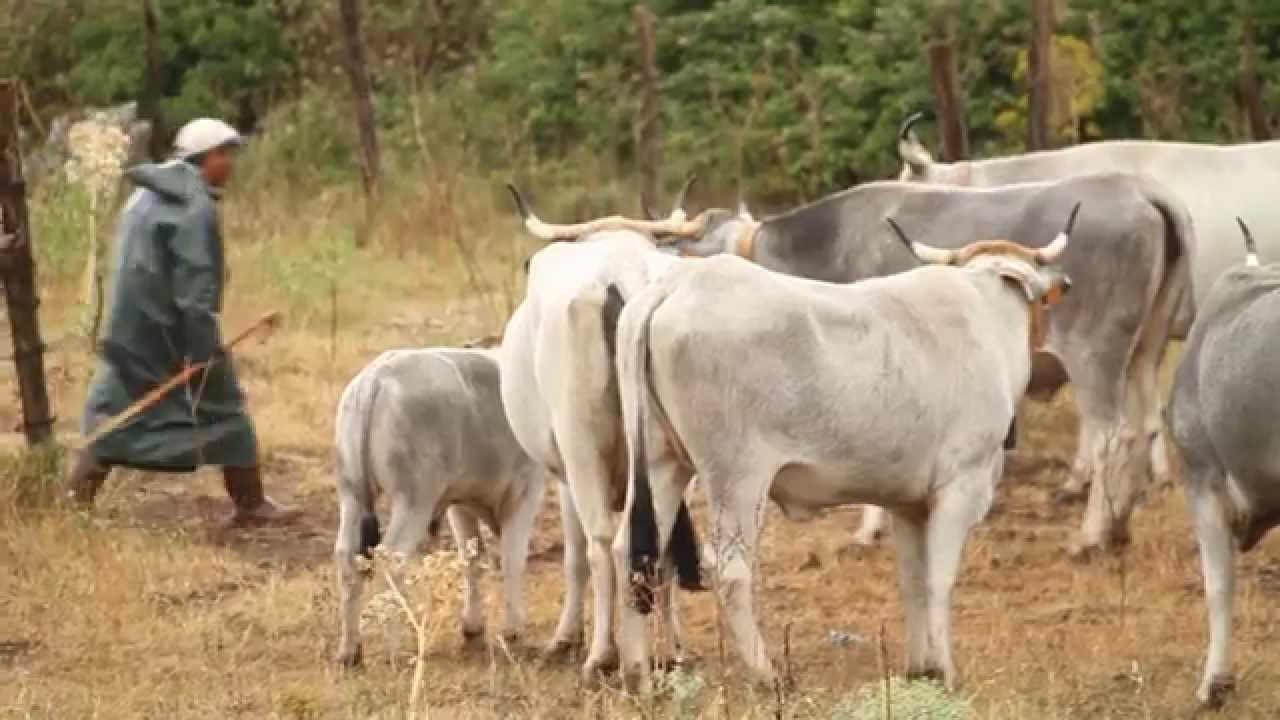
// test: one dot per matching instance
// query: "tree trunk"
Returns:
(17, 269)
(1039, 77)
(1250, 95)
(943, 75)
(361, 94)
(649, 120)
(152, 81)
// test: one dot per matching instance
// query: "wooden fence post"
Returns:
(17, 271)
(649, 120)
(1039, 76)
(943, 75)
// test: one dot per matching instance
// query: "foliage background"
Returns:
(792, 100)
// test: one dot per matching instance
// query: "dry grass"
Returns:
(145, 612)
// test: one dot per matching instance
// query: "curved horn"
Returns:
(924, 253)
(677, 206)
(915, 156)
(1250, 247)
(1050, 253)
(904, 132)
(521, 206)
(675, 224)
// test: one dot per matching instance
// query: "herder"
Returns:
(163, 314)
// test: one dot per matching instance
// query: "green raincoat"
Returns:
(163, 312)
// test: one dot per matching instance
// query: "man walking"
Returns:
(163, 315)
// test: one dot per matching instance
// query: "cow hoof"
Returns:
(472, 635)
(562, 650)
(351, 659)
(1082, 551)
(931, 674)
(867, 539)
(668, 663)
(595, 670)
(509, 637)
(636, 682)
(1069, 496)
(1216, 693)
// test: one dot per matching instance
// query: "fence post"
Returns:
(17, 270)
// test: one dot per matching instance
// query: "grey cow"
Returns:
(896, 391)
(427, 428)
(1129, 261)
(1226, 422)
(1207, 178)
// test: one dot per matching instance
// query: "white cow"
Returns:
(896, 391)
(1226, 422)
(560, 394)
(426, 428)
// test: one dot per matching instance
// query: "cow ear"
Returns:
(1023, 280)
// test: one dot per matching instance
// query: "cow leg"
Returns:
(349, 581)
(409, 526)
(592, 503)
(910, 539)
(672, 631)
(514, 546)
(959, 506)
(737, 518)
(1085, 462)
(465, 527)
(1206, 496)
(1121, 463)
(568, 633)
(874, 522)
(667, 485)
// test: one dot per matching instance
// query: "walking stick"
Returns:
(264, 324)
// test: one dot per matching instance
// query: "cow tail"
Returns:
(643, 536)
(362, 403)
(1175, 302)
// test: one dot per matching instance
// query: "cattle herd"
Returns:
(806, 359)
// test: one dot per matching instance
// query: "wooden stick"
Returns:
(153, 396)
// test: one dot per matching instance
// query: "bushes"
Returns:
(31, 479)
(915, 700)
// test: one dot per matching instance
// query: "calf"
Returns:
(427, 428)
(1226, 423)
(896, 391)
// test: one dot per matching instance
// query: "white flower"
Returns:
(98, 149)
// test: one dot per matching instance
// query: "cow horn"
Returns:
(915, 156)
(1054, 250)
(1250, 247)
(521, 206)
(924, 253)
(675, 224)
(744, 212)
(904, 132)
(677, 207)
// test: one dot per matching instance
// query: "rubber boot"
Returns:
(86, 479)
(252, 506)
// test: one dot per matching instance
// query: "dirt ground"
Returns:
(145, 611)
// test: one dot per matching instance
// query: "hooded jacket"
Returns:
(166, 293)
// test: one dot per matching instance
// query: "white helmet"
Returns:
(202, 135)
